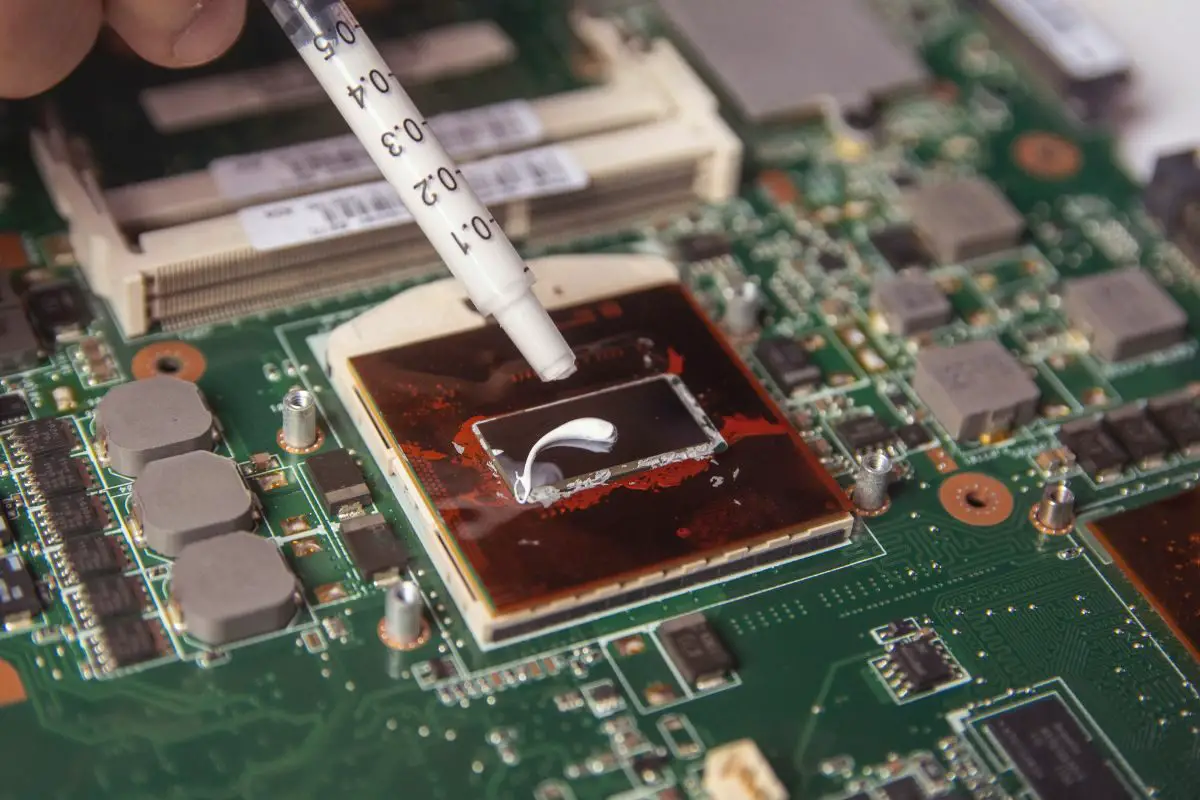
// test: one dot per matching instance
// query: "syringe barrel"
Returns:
(397, 136)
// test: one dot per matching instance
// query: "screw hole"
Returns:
(167, 365)
(975, 500)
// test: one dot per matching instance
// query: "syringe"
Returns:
(396, 135)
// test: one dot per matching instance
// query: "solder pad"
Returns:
(763, 498)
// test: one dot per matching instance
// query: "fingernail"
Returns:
(205, 35)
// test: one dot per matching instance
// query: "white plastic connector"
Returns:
(739, 771)
(654, 117)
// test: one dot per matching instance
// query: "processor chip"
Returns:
(1157, 547)
(658, 422)
(453, 414)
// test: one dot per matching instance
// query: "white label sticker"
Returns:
(1072, 38)
(540, 172)
(443, 52)
(341, 159)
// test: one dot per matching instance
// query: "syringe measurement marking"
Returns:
(427, 181)
(410, 127)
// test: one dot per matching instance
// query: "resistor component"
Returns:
(64, 398)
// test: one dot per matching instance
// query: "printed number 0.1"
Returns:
(480, 227)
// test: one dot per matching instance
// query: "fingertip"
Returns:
(178, 33)
(213, 32)
(37, 50)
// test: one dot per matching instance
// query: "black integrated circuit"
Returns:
(13, 409)
(128, 641)
(923, 665)
(703, 246)
(831, 262)
(339, 481)
(916, 665)
(914, 435)
(57, 309)
(901, 247)
(788, 364)
(1140, 438)
(1097, 453)
(19, 598)
(58, 474)
(88, 556)
(1179, 419)
(373, 545)
(865, 433)
(1052, 753)
(905, 788)
(41, 436)
(110, 596)
(696, 650)
(71, 515)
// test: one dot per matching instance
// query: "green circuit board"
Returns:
(324, 709)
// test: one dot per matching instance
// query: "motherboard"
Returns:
(898, 492)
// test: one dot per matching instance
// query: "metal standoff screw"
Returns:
(404, 614)
(742, 309)
(871, 482)
(299, 431)
(1055, 512)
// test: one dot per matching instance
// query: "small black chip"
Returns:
(1097, 453)
(111, 596)
(865, 433)
(788, 364)
(831, 262)
(1179, 419)
(695, 649)
(13, 409)
(58, 308)
(19, 599)
(922, 664)
(57, 474)
(339, 480)
(1138, 436)
(1052, 753)
(94, 555)
(914, 435)
(44, 436)
(128, 641)
(703, 246)
(903, 789)
(373, 545)
(71, 515)
(901, 247)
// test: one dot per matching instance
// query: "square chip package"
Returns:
(705, 479)
(657, 420)
(778, 59)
